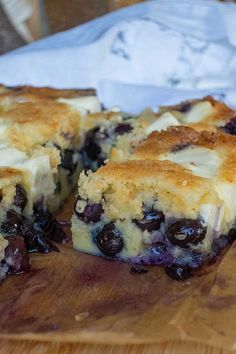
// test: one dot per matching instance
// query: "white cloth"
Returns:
(145, 55)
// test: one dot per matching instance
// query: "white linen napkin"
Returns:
(152, 53)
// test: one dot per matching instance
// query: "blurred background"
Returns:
(23, 21)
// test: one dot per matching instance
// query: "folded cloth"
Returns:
(152, 50)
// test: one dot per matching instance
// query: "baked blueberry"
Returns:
(109, 240)
(37, 241)
(68, 162)
(91, 214)
(123, 128)
(138, 270)
(16, 255)
(91, 148)
(12, 224)
(230, 127)
(178, 272)
(185, 232)
(151, 221)
(56, 233)
(20, 199)
(184, 107)
(160, 253)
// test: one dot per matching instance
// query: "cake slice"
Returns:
(172, 204)
(151, 212)
(42, 128)
(201, 114)
(114, 135)
(39, 140)
(16, 211)
(107, 131)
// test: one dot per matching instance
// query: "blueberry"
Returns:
(184, 107)
(138, 270)
(109, 240)
(92, 213)
(178, 272)
(123, 128)
(49, 226)
(180, 147)
(43, 219)
(56, 233)
(160, 253)
(151, 221)
(16, 255)
(67, 161)
(37, 241)
(20, 199)
(230, 127)
(12, 224)
(91, 147)
(184, 232)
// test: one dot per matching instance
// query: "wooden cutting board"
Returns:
(70, 297)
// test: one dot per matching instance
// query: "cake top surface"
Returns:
(32, 116)
(205, 113)
(206, 154)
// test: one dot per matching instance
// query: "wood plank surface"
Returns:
(29, 347)
(35, 347)
(70, 297)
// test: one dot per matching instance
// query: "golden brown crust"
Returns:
(30, 93)
(35, 123)
(222, 113)
(10, 173)
(132, 171)
(176, 137)
(122, 188)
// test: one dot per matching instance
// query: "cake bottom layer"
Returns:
(180, 263)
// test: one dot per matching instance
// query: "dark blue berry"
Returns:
(20, 199)
(178, 272)
(230, 127)
(109, 240)
(184, 107)
(16, 255)
(138, 270)
(151, 221)
(91, 214)
(67, 161)
(123, 128)
(160, 253)
(12, 224)
(185, 232)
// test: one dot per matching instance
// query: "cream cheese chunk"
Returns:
(198, 113)
(162, 123)
(200, 161)
(39, 169)
(84, 105)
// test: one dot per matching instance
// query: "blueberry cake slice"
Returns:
(39, 140)
(111, 133)
(114, 135)
(201, 114)
(40, 131)
(151, 212)
(16, 210)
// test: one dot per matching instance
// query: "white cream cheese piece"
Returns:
(200, 161)
(198, 113)
(84, 105)
(165, 121)
(39, 169)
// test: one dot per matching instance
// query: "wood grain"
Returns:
(78, 298)
(29, 347)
